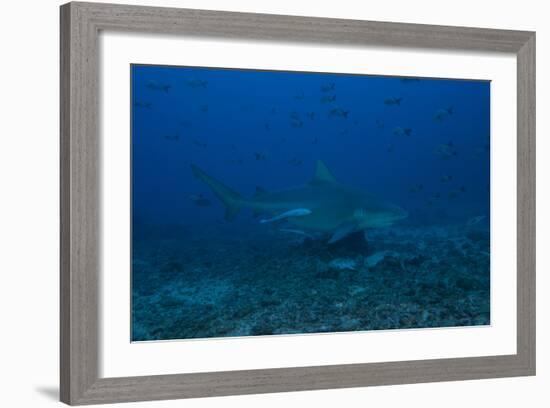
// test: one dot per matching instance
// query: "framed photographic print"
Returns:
(259, 203)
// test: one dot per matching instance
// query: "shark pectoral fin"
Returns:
(342, 231)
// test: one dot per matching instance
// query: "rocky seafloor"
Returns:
(217, 285)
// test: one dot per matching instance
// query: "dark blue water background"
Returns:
(266, 128)
(361, 150)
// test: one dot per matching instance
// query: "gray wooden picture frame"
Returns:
(80, 158)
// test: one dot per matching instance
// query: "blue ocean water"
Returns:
(417, 144)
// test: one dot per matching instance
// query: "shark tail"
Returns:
(230, 199)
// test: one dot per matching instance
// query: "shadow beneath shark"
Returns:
(348, 246)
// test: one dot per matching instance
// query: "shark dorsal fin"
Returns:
(322, 174)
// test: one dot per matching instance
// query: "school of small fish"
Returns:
(297, 120)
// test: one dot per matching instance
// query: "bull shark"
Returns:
(322, 205)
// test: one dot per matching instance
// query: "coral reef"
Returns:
(215, 285)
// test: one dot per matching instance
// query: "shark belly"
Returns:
(316, 223)
(330, 206)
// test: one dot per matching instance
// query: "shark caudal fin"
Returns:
(230, 199)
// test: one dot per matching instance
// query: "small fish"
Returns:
(446, 178)
(273, 110)
(462, 189)
(141, 104)
(339, 113)
(200, 200)
(475, 220)
(267, 127)
(156, 86)
(199, 143)
(441, 114)
(297, 212)
(299, 96)
(172, 136)
(315, 140)
(204, 108)
(482, 150)
(436, 195)
(196, 83)
(446, 150)
(260, 156)
(453, 194)
(236, 161)
(416, 188)
(328, 87)
(311, 115)
(296, 123)
(390, 148)
(294, 115)
(328, 98)
(379, 124)
(399, 131)
(295, 161)
(393, 101)
(184, 123)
